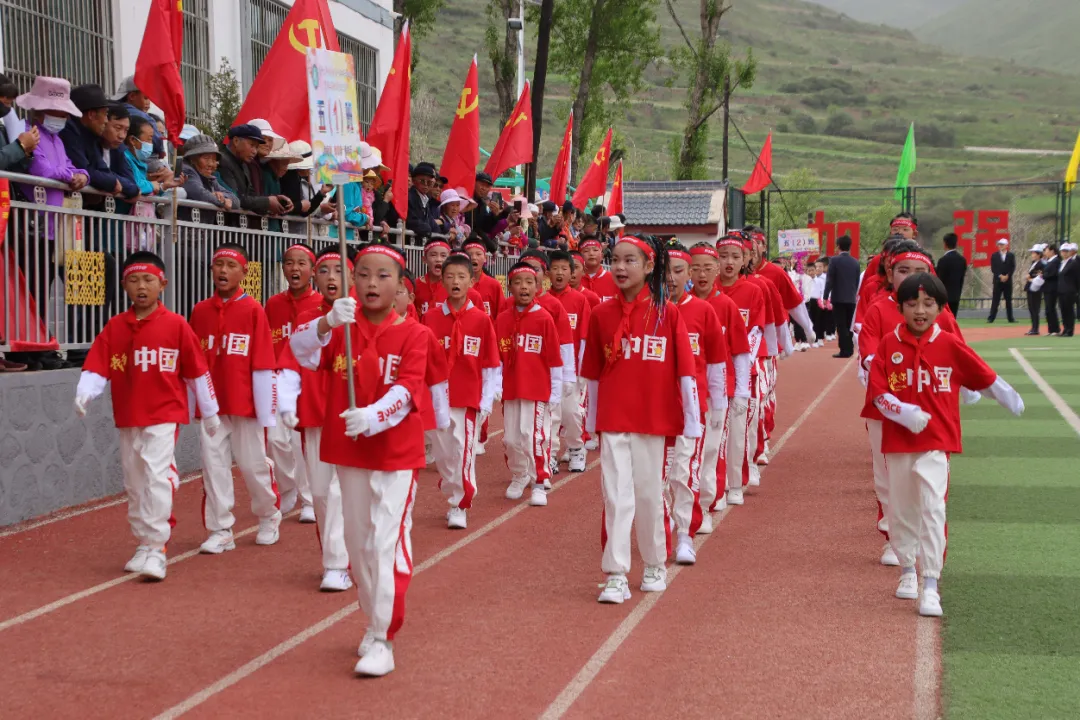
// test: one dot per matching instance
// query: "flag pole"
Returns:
(343, 248)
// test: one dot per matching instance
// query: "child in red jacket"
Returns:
(569, 417)
(915, 380)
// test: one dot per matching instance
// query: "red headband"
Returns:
(475, 244)
(679, 255)
(409, 284)
(387, 251)
(705, 250)
(591, 242)
(144, 268)
(437, 244)
(729, 241)
(758, 236)
(903, 222)
(524, 269)
(305, 250)
(334, 256)
(231, 254)
(640, 245)
(918, 257)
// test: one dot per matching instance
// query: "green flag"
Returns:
(907, 164)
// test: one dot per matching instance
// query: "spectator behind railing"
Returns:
(16, 142)
(86, 142)
(241, 148)
(49, 105)
(199, 167)
(296, 183)
(422, 211)
(451, 222)
(274, 166)
(138, 105)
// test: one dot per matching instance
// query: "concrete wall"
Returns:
(49, 458)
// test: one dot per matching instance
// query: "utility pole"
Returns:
(543, 43)
(727, 100)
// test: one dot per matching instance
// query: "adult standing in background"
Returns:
(951, 269)
(1068, 288)
(1051, 266)
(842, 288)
(1003, 265)
(1033, 288)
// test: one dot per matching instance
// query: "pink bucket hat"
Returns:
(49, 93)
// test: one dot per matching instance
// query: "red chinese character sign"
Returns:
(978, 233)
(829, 232)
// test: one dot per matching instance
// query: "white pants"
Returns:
(285, 449)
(326, 498)
(918, 487)
(455, 457)
(713, 465)
(525, 437)
(241, 438)
(632, 481)
(683, 476)
(377, 507)
(570, 418)
(150, 479)
(736, 445)
(881, 476)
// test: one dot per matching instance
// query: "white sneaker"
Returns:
(516, 488)
(307, 514)
(480, 449)
(888, 556)
(335, 581)
(547, 483)
(616, 590)
(720, 504)
(654, 580)
(456, 520)
(577, 462)
(554, 469)
(135, 564)
(268, 530)
(288, 501)
(592, 444)
(908, 589)
(706, 523)
(365, 644)
(218, 542)
(538, 498)
(763, 458)
(565, 456)
(930, 605)
(734, 496)
(684, 551)
(377, 661)
(154, 567)
(755, 476)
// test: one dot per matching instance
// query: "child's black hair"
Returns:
(406, 274)
(656, 281)
(674, 244)
(233, 246)
(137, 124)
(144, 257)
(929, 284)
(555, 255)
(458, 258)
(537, 255)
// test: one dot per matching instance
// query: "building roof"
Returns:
(692, 202)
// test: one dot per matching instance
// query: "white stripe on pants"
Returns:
(918, 486)
(683, 476)
(146, 454)
(240, 438)
(632, 480)
(736, 445)
(285, 450)
(881, 475)
(753, 426)
(326, 498)
(455, 457)
(377, 506)
(570, 418)
(525, 427)
(714, 449)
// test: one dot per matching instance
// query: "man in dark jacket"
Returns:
(1068, 288)
(1003, 265)
(242, 145)
(485, 216)
(84, 141)
(1034, 297)
(423, 212)
(951, 269)
(1051, 265)
(842, 288)
(16, 143)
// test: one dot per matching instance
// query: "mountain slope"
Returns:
(908, 14)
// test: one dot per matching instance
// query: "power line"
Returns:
(771, 179)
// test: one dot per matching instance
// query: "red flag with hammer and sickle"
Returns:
(515, 146)
(462, 153)
(273, 95)
(560, 176)
(594, 183)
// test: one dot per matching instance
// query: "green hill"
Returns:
(908, 14)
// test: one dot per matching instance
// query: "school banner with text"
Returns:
(801, 240)
(335, 119)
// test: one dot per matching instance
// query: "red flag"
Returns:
(560, 176)
(515, 146)
(389, 129)
(273, 96)
(157, 70)
(175, 14)
(761, 178)
(594, 183)
(462, 153)
(614, 205)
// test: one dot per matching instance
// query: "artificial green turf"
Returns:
(1011, 585)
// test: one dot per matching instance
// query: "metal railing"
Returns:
(66, 259)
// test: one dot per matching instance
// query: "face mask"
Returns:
(144, 151)
(54, 124)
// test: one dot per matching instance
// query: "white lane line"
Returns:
(603, 655)
(278, 650)
(926, 669)
(127, 577)
(1060, 405)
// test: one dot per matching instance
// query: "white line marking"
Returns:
(1060, 405)
(603, 655)
(926, 669)
(127, 577)
(278, 650)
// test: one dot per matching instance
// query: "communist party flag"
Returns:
(462, 153)
(615, 204)
(157, 69)
(273, 95)
(560, 176)
(761, 178)
(389, 129)
(515, 146)
(594, 183)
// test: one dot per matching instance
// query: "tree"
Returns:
(421, 16)
(602, 46)
(713, 76)
(224, 101)
(502, 49)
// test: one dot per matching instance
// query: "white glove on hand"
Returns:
(913, 418)
(481, 418)
(210, 424)
(289, 420)
(355, 420)
(740, 404)
(343, 312)
(969, 397)
(692, 429)
(81, 401)
(716, 418)
(811, 337)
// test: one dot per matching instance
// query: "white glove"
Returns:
(969, 397)
(811, 337)
(289, 419)
(356, 422)
(692, 429)
(481, 418)
(740, 404)
(81, 401)
(210, 424)
(913, 418)
(344, 311)
(716, 418)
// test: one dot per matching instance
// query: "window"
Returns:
(195, 66)
(70, 39)
(366, 62)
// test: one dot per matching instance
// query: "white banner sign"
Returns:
(802, 240)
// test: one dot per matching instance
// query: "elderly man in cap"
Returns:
(489, 209)
(237, 153)
(1003, 265)
(423, 212)
(138, 105)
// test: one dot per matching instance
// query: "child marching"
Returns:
(570, 416)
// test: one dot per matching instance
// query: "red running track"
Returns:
(786, 614)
